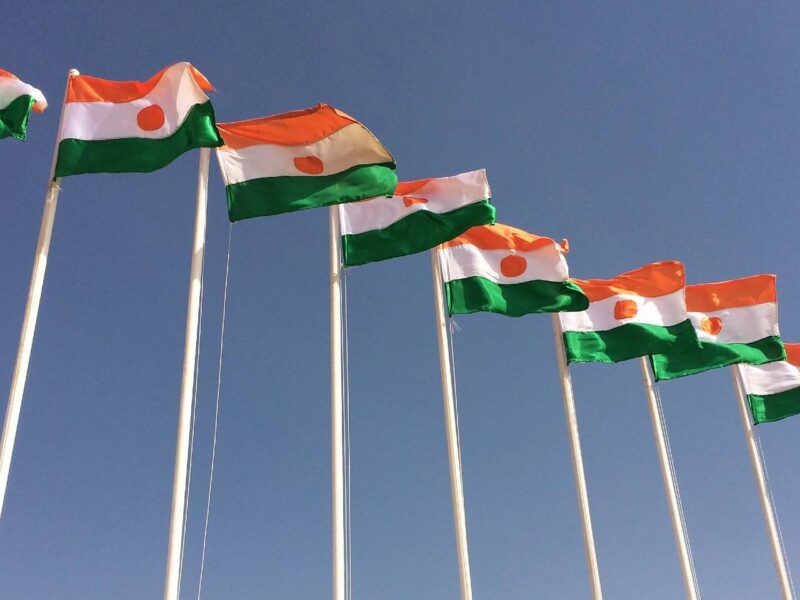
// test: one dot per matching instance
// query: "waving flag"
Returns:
(17, 99)
(736, 322)
(302, 159)
(637, 313)
(129, 126)
(420, 215)
(773, 389)
(501, 269)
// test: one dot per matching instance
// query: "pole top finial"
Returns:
(74, 72)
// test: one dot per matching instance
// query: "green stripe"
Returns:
(478, 294)
(275, 195)
(628, 341)
(774, 407)
(14, 117)
(711, 356)
(139, 155)
(418, 231)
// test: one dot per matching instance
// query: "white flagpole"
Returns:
(31, 313)
(577, 460)
(761, 481)
(337, 409)
(175, 545)
(451, 427)
(668, 476)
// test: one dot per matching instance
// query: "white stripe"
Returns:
(176, 93)
(443, 195)
(466, 260)
(740, 325)
(352, 145)
(770, 378)
(11, 89)
(666, 310)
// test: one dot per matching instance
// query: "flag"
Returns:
(736, 322)
(17, 99)
(130, 126)
(637, 313)
(773, 389)
(302, 159)
(501, 269)
(420, 215)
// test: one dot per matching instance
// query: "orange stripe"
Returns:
(793, 354)
(502, 237)
(649, 281)
(85, 88)
(295, 128)
(409, 187)
(747, 291)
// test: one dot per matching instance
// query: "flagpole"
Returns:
(20, 374)
(577, 460)
(761, 481)
(668, 477)
(337, 408)
(175, 544)
(451, 427)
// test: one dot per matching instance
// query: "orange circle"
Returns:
(712, 325)
(150, 118)
(513, 265)
(309, 164)
(625, 309)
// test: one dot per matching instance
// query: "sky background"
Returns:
(640, 131)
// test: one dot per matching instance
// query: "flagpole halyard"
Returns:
(175, 543)
(20, 373)
(767, 508)
(337, 409)
(451, 427)
(670, 488)
(577, 460)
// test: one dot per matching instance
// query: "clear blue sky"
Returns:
(640, 131)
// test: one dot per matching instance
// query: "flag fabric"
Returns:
(736, 322)
(17, 99)
(420, 215)
(130, 126)
(504, 270)
(773, 389)
(638, 313)
(302, 159)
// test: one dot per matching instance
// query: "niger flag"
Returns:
(638, 313)
(773, 389)
(17, 99)
(501, 269)
(130, 126)
(302, 159)
(736, 321)
(418, 216)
